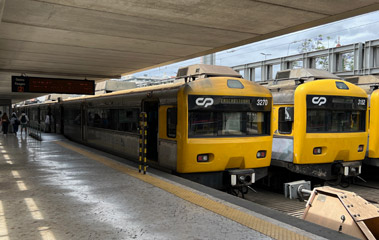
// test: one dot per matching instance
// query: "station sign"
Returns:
(52, 85)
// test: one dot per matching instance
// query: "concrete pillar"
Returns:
(209, 59)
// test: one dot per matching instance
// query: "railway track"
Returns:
(277, 201)
(295, 208)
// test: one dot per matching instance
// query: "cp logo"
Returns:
(204, 102)
(319, 100)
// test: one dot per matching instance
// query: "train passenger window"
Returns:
(171, 122)
(128, 120)
(72, 116)
(285, 121)
(114, 119)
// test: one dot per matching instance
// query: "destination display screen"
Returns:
(52, 85)
(336, 102)
(237, 103)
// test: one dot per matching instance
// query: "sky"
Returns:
(352, 30)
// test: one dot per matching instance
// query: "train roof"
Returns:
(168, 86)
(209, 86)
(308, 73)
(284, 86)
(113, 86)
(194, 72)
(368, 83)
(290, 79)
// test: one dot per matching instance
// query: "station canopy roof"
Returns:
(100, 39)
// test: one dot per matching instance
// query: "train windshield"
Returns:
(223, 116)
(336, 114)
(212, 123)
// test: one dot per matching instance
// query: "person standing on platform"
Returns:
(15, 122)
(24, 122)
(47, 123)
(1, 121)
(5, 123)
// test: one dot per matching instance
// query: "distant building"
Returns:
(144, 81)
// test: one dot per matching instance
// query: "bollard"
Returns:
(142, 142)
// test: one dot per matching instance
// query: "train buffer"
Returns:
(337, 209)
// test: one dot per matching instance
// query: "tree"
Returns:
(311, 44)
(314, 44)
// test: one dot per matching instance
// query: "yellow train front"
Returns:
(372, 157)
(223, 131)
(320, 128)
(213, 127)
(370, 83)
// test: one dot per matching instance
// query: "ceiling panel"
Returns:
(100, 39)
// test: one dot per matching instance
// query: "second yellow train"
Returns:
(319, 124)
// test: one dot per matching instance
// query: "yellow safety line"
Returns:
(236, 215)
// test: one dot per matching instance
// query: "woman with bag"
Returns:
(5, 123)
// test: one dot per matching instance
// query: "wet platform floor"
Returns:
(56, 189)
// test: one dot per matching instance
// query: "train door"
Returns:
(151, 108)
(83, 117)
(39, 116)
(53, 119)
(61, 119)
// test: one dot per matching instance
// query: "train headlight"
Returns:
(261, 154)
(317, 150)
(203, 158)
(360, 148)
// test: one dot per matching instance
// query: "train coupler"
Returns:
(351, 169)
(241, 177)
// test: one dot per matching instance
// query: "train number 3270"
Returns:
(362, 102)
(262, 102)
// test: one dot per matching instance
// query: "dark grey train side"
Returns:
(37, 115)
(110, 123)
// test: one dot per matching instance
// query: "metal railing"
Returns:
(35, 130)
(344, 61)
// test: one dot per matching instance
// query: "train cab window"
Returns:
(257, 123)
(285, 120)
(171, 122)
(336, 114)
(335, 121)
(233, 123)
(202, 124)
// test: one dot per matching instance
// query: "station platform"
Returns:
(58, 189)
